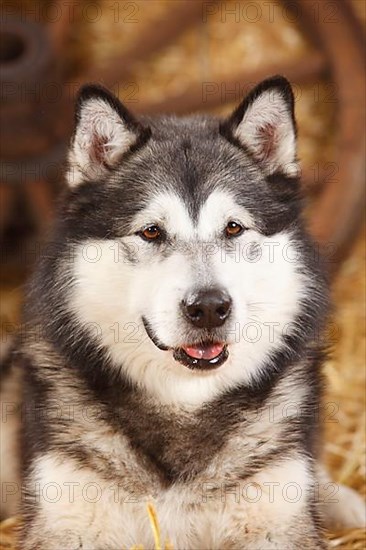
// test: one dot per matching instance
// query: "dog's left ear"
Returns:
(104, 131)
(264, 124)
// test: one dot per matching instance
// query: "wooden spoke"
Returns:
(340, 206)
(59, 30)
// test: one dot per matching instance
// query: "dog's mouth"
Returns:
(197, 356)
(203, 356)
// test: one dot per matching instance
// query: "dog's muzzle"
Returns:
(206, 355)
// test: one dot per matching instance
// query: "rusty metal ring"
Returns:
(25, 51)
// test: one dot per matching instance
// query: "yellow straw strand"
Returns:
(154, 526)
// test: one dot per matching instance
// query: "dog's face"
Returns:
(187, 267)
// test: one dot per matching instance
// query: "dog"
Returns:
(171, 349)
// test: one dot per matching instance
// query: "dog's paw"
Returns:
(346, 510)
(349, 512)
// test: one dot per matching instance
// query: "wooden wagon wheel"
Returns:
(339, 56)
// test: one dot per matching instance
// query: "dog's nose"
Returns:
(207, 308)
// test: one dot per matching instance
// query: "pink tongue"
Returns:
(204, 352)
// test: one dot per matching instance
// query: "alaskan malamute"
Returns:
(172, 345)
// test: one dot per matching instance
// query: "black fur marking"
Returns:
(36, 426)
(152, 336)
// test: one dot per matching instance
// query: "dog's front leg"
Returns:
(71, 506)
(274, 510)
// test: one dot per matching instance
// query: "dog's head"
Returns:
(190, 267)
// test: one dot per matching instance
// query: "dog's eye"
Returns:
(151, 233)
(233, 229)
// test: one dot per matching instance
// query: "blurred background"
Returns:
(184, 57)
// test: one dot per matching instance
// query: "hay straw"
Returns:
(8, 529)
(154, 525)
(352, 540)
(156, 529)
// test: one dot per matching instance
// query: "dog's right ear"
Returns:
(104, 132)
